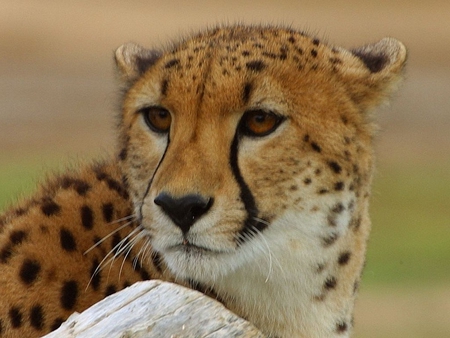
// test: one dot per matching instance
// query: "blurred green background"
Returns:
(57, 99)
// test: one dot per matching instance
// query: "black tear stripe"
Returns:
(251, 223)
(140, 217)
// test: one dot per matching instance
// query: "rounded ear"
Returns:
(372, 72)
(133, 60)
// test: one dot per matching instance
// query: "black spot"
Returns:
(320, 268)
(157, 261)
(81, 187)
(344, 258)
(56, 323)
(112, 183)
(355, 287)
(20, 211)
(67, 240)
(15, 317)
(256, 65)
(316, 147)
(50, 208)
(307, 181)
(313, 53)
(1, 327)
(144, 274)
(6, 253)
(171, 63)
(108, 212)
(110, 290)
(245, 53)
(323, 191)
(306, 138)
(246, 92)
(123, 154)
(344, 119)
(17, 237)
(327, 241)
(69, 294)
(115, 243)
(270, 55)
(291, 39)
(338, 208)
(95, 275)
(335, 166)
(356, 224)
(330, 283)
(338, 186)
(115, 185)
(316, 42)
(374, 62)
(335, 61)
(331, 220)
(341, 327)
(29, 271)
(87, 217)
(164, 86)
(37, 317)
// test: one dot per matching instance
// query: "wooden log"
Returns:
(156, 309)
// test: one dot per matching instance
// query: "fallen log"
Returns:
(156, 309)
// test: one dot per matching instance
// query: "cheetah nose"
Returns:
(184, 211)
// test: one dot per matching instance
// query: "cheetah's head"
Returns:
(243, 142)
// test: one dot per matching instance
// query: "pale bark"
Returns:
(156, 309)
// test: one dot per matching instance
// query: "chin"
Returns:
(201, 265)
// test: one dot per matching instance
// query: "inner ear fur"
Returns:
(374, 71)
(132, 60)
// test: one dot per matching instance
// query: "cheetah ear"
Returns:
(374, 71)
(133, 60)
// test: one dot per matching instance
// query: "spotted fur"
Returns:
(274, 226)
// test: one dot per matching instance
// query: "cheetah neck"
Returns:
(283, 292)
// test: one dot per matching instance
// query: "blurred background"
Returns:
(58, 100)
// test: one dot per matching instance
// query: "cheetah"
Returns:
(243, 169)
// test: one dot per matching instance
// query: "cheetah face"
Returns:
(245, 143)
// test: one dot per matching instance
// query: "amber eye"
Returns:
(157, 118)
(259, 123)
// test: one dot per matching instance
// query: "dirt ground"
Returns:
(57, 92)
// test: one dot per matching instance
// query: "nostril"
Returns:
(201, 208)
(184, 211)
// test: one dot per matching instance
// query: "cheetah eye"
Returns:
(157, 118)
(259, 123)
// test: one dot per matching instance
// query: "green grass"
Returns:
(410, 226)
(410, 241)
(19, 178)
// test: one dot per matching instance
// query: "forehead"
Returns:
(241, 66)
(248, 49)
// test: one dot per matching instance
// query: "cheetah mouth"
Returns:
(191, 248)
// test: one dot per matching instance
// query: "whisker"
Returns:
(126, 218)
(112, 251)
(131, 244)
(107, 236)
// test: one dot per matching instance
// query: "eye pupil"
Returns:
(260, 118)
(157, 118)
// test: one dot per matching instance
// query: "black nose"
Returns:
(184, 211)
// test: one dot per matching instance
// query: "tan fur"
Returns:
(295, 270)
